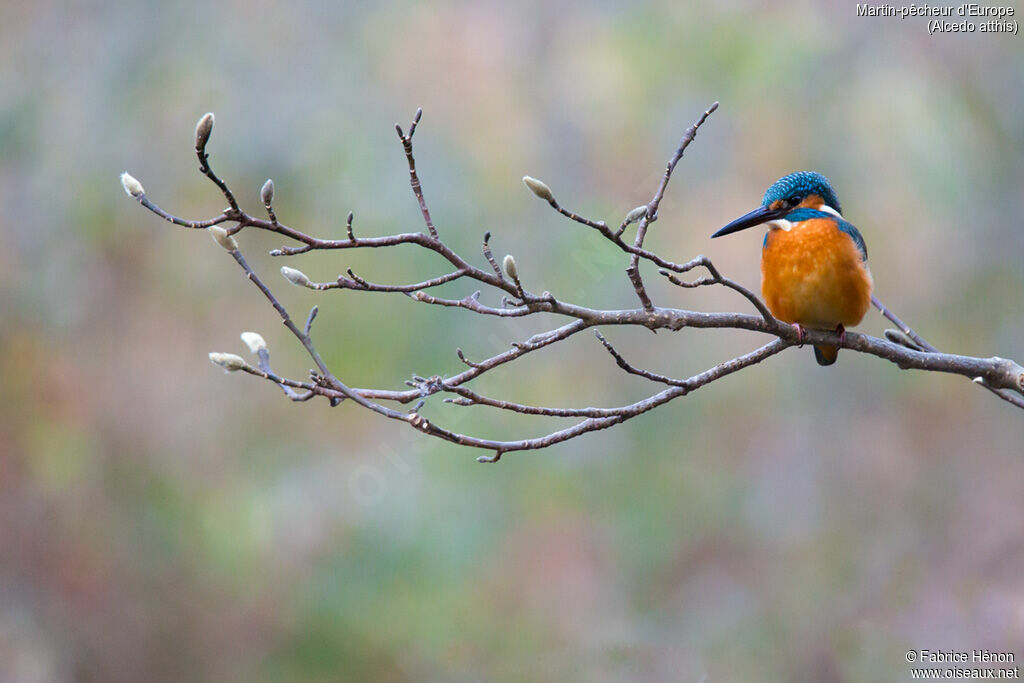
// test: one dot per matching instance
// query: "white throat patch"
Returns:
(780, 224)
(787, 225)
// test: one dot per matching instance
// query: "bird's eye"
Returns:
(794, 200)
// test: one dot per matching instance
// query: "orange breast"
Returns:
(813, 275)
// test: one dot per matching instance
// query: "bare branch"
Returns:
(414, 179)
(203, 129)
(923, 345)
(903, 347)
(684, 142)
(195, 225)
(348, 227)
(652, 208)
(716, 278)
(904, 328)
(486, 247)
(359, 283)
(309, 320)
(621, 362)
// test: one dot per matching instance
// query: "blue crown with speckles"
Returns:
(799, 185)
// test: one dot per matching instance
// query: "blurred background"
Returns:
(162, 521)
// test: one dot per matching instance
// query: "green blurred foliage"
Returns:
(161, 521)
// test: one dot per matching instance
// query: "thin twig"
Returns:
(925, 346)
(195, 225)
(652, 209)
(715, 277)
(309, 320)
(621, 362)
(414, 179)
(486, 247)
(904, 328)
(205, 169)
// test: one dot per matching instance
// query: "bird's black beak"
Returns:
(761, 214)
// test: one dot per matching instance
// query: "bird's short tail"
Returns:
(826, 355)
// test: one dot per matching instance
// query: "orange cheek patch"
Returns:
(812, 201)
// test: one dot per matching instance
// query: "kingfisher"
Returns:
(814, 264)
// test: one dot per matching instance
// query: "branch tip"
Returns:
(254, 341)
(132, 186)
(462, 357)
(221, 237)
(310, 318)
(509, 263)
(296, 277)
(267, 192)
(229, 361)
(203, 129)
(898, 337)
(635, 215)
(539, 188)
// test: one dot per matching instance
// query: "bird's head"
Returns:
(800, 190)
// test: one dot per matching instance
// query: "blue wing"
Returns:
(853, 232)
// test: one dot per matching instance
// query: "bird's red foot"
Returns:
(800, 334)
(841, 331)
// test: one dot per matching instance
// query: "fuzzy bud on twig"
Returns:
(132, 186)
(221, 237)
(509, 264)
(296, 277)
(203, 130)
(636, 214)
(267, 192)
(229, 361)
(899, 337)
(538, 188)
(254, 341)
